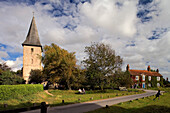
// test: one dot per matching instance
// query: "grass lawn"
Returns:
(146, 105)
(69, 97)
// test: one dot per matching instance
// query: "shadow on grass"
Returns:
(19, 108)
(147, 109)
(26, 107)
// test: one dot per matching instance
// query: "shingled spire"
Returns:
(32, 38)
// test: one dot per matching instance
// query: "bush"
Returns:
(18, 91)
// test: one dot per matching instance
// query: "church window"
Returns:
(32, 50)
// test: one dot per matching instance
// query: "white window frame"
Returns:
(143, 77)
(149, 84)
(136, 77)
(149, 78)
(158, 78)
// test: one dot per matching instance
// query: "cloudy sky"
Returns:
(138, 30)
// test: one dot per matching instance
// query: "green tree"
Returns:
(101, 62)
(122, 79)
(59, 65)
(79, 80)
(36, 76)
(7, 78)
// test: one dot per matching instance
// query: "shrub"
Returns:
(18, 91)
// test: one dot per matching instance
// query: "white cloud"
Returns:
(15, 65)
(3, 54)
(114, 18)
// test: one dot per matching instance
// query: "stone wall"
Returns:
(31, 60)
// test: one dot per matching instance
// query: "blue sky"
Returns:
(138, 30)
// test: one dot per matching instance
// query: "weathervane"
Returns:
(33, 13)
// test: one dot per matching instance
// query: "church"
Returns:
(32, 51)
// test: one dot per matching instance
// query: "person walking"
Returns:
(157, 95)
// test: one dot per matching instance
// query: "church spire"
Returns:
(32, 38)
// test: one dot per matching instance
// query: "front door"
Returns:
(143, 85)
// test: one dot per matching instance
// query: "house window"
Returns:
(32, 50)
(143, 77)
(158, 84)
(149, 78)
(149, 84)
(137, 78)
(158, 78)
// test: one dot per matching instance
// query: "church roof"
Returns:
(145, 72)
(32, 38)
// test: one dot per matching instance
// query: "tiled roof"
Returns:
(145, 72)
(32, 38)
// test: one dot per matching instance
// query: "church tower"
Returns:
(32, 51)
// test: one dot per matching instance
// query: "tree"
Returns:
(59, 65)
(7, 78)
(4, 67)
(122, 79)
(101, 62)
(36, 76)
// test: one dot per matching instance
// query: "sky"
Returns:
(138, 30)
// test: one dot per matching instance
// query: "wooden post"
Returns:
(63, 101)
(43, 107)
(5, 105)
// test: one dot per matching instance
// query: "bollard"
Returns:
(108, 96)
(43, 107)
(63, 101)
(107, 106)
(34, 104)
(5, 105)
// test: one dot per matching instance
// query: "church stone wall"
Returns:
(31, 60)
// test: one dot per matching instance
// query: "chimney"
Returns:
(127, 67)
(157, 70)
(149, 68)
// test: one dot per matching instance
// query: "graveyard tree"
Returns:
(59, 65)
(36, 76)
(100, 63)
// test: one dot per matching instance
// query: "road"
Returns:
(92, 105)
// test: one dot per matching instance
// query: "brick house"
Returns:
(145, 78)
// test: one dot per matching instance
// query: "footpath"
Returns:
(92, 105)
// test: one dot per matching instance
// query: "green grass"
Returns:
(69, 97)
(146, 105)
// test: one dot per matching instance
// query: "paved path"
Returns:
(92, 105)
(46, 91)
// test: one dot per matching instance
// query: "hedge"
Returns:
(17, 91)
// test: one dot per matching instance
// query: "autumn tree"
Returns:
(101, 62)
(59, 65)
(36, 76)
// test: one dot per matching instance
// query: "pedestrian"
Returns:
(157, 95)
(84, 91)
(80, 91)
(44, 86)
